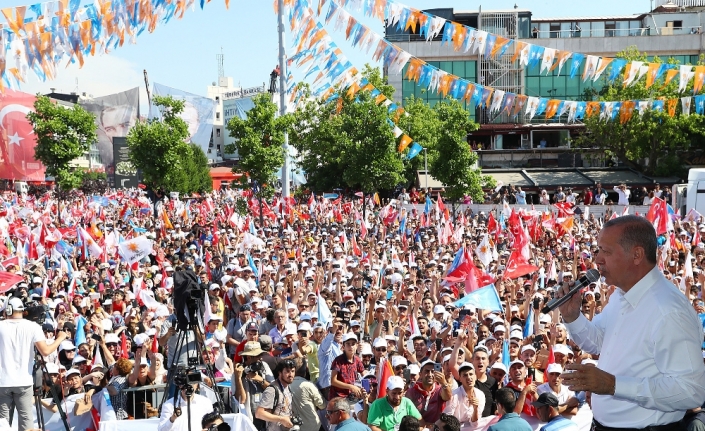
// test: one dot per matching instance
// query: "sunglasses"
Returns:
(381, 349)
(331, 412)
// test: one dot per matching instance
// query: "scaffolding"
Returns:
(503, 73)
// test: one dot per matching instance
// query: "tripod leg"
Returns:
(40, 413)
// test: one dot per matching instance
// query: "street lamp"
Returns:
(425, 163)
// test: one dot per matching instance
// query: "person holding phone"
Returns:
(430, 392)
(467, 402)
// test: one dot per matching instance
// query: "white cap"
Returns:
(16, 303)
(528, 347)
(499, 366)
(349, 336)
(365, 349)
(66, 345)
(52, 368)
(516, 362)
(304, 326)
(563, 349)
(439, 309)
(71, 372)
(414, 369)
(78, 359)
(395, 382)
(398, 360)
(465, 365)
(500, 328)
(380, 305)
(379, 342)
(305, 316)
(554, 368)
(354, 323)
(111, 338)
(140, 339)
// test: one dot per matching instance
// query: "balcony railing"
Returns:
(619, 32)
(684, 3)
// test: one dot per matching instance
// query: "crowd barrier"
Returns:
(236, 421)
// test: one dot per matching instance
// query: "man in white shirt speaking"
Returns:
(648, 337)
(18, 337)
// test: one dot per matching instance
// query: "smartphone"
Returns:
(439, 343)
(437, 367)
(340, 314)
(366, 385)
(407, 375)
(385, 324)
(390, 294)
(404, 304)
(463, 314)
(97, 337)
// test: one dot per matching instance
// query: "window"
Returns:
(217, 98)
(217, 133)
(217, 115)
(555, 30)
(610, 27)
(678, 25)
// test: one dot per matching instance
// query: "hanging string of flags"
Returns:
(495, 46)
(330, 57)
(40, 36)
(497, 101)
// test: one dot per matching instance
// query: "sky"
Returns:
(182, 53)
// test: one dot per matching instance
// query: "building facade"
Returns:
(672, 30)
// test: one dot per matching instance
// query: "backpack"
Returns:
(259, 423)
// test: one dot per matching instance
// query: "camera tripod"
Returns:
(40, 373)
(193, 361)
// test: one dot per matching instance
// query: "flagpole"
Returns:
(282, 96)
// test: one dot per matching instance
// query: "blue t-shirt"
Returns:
(559, 423)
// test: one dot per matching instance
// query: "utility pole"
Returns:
(282, 96)
(149, 96)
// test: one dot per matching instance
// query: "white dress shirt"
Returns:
(650, 339)
(623, 196)
(458, 406)
(200, 405)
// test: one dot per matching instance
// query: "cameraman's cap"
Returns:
(252, 326)
(252, 348)
(546, 399)
(52, 368)
(16, 303)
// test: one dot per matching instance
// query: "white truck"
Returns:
(692, 195)
(21, 188)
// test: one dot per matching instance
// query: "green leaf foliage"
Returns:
(259, 144)
(452, 160)
(159, 148)
(63, 134)
(348, 141)
(645, 141)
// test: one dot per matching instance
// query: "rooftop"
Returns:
(591, 18)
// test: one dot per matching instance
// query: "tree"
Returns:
(192, 175)
(63, 135)
(348, 141)
(159, 147)
(93, 182)
(423, 125)
(644, 140)
(452, 161)
(260, 146)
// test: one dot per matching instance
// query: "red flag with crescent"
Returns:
(17, 139)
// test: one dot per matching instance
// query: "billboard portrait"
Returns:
(126, 174)
(198, 113)
(115, 115)
(17, 138)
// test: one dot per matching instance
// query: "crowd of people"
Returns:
(313, 313)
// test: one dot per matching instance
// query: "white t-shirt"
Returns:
(17, 340)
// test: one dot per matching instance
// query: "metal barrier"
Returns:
(151, 394)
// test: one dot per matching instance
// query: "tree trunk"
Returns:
(452, 205)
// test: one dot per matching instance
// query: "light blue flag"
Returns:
(529, 325)
(80, 333)
(505, 354)
(324, 314)
(485, 298)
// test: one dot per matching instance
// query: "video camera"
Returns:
(256, 367)
(35, 312)
(184, 379)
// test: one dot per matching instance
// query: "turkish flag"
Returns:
(7, 280)
(517, 265)
(17, 139)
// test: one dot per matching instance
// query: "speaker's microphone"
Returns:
(590, 277)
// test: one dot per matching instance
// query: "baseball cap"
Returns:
(71, 372)
(304, 326)
(349, 336)
(499, 366)
(528, 347)
(465, 365)
(66, 345)
(111, 338)
(554, 368)
(16, 303)
(516, 362)
(252, 326)
(546, 399)
(395, 382)
(365, 349)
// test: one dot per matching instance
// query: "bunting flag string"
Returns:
(37, 38)
(445, 84)
(480, 42)
(346, 76)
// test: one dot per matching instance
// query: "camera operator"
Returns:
(214, 422)
(17, 337)
(275, 407)
(252, 380)
(174, 415)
